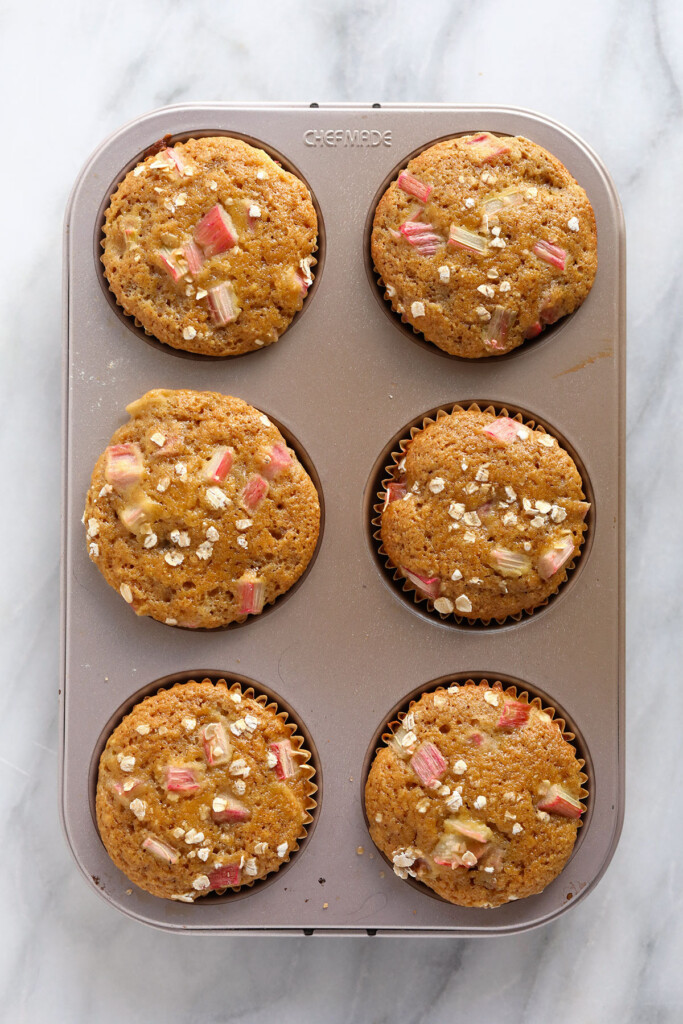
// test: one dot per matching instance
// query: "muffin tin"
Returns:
(346, 651)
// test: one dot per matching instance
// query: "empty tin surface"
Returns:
(345, 649)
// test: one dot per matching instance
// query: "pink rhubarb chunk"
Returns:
(235, 811)
(219, 465)
(534, 330)
(511, 563)
(395, 491)
(461, 238)
(428, 763)
(224, 877)
(160, 850)
(558, 801)
(251, 592)
(169, 264)
(180, 780)
(471, 829)
(223, 304)
(215, 232)
(287, 764)
(278, 458)
(194, 257)
(217, 750)
(496, 330)
(503, 429)
(413, 187)
(487, 147)
(175, 157)
(123, 466)
(422, 236)
(559, 555)
(515, 713)
(254, 492)
(430, 586)
(551, 254)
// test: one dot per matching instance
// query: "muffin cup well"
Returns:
(510, 687)
(379, 288)
(387, 469)
(299, 735)
(131, 321)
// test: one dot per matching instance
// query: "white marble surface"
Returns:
(72, 73)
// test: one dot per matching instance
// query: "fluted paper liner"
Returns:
(130, 317)
(392, 473)
(303, 756)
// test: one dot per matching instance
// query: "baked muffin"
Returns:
(483, 241)
(477, 793)
(198, 512)
(203, 787)
(209, 245)
(483, 516)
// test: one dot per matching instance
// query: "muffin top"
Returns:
(209, 245)
(483, 241)
(202, 787)
(198, 512)
(477, 794)
(484, 516)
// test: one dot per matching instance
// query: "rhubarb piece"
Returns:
(461, 238)
(228, 809)
(251, 592)
(277, 459)
(217, 749)
(133, 516)
(180, 780)
(422, 236)
(448, 852)
(194, 257)
(558, 801)
(428, 763)
(503, 429)
(168, 262)
(215, 232)
(176, 159)
(496, 330)
(413, 187)
(502, 201)
(550, 312)
(123, 466)
(254, 492)
(486, 147)
(160, 850)
(430, 586)
(224, 877)
(510, 563)
(551, 254)
(534, 330)
(219, 465)
(514, 714)
(129, 226)
(394, 492)
(286, 764)
(553, 560)
(223, 304)
(477, 831)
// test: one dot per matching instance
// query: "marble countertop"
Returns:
(72, 74)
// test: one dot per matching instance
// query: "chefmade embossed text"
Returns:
(347, 137)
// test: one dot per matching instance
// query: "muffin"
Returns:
(482, 242)
(203, 787)
(198, 513)
(477, 793)
(209, 245)
(483, 516)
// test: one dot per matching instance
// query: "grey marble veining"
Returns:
(72, 73)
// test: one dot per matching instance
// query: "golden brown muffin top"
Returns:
(477, 794)
(482, 241)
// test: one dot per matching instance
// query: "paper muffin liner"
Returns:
(508, 690)
(392, 472)
(131, 320)
(303, 757)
